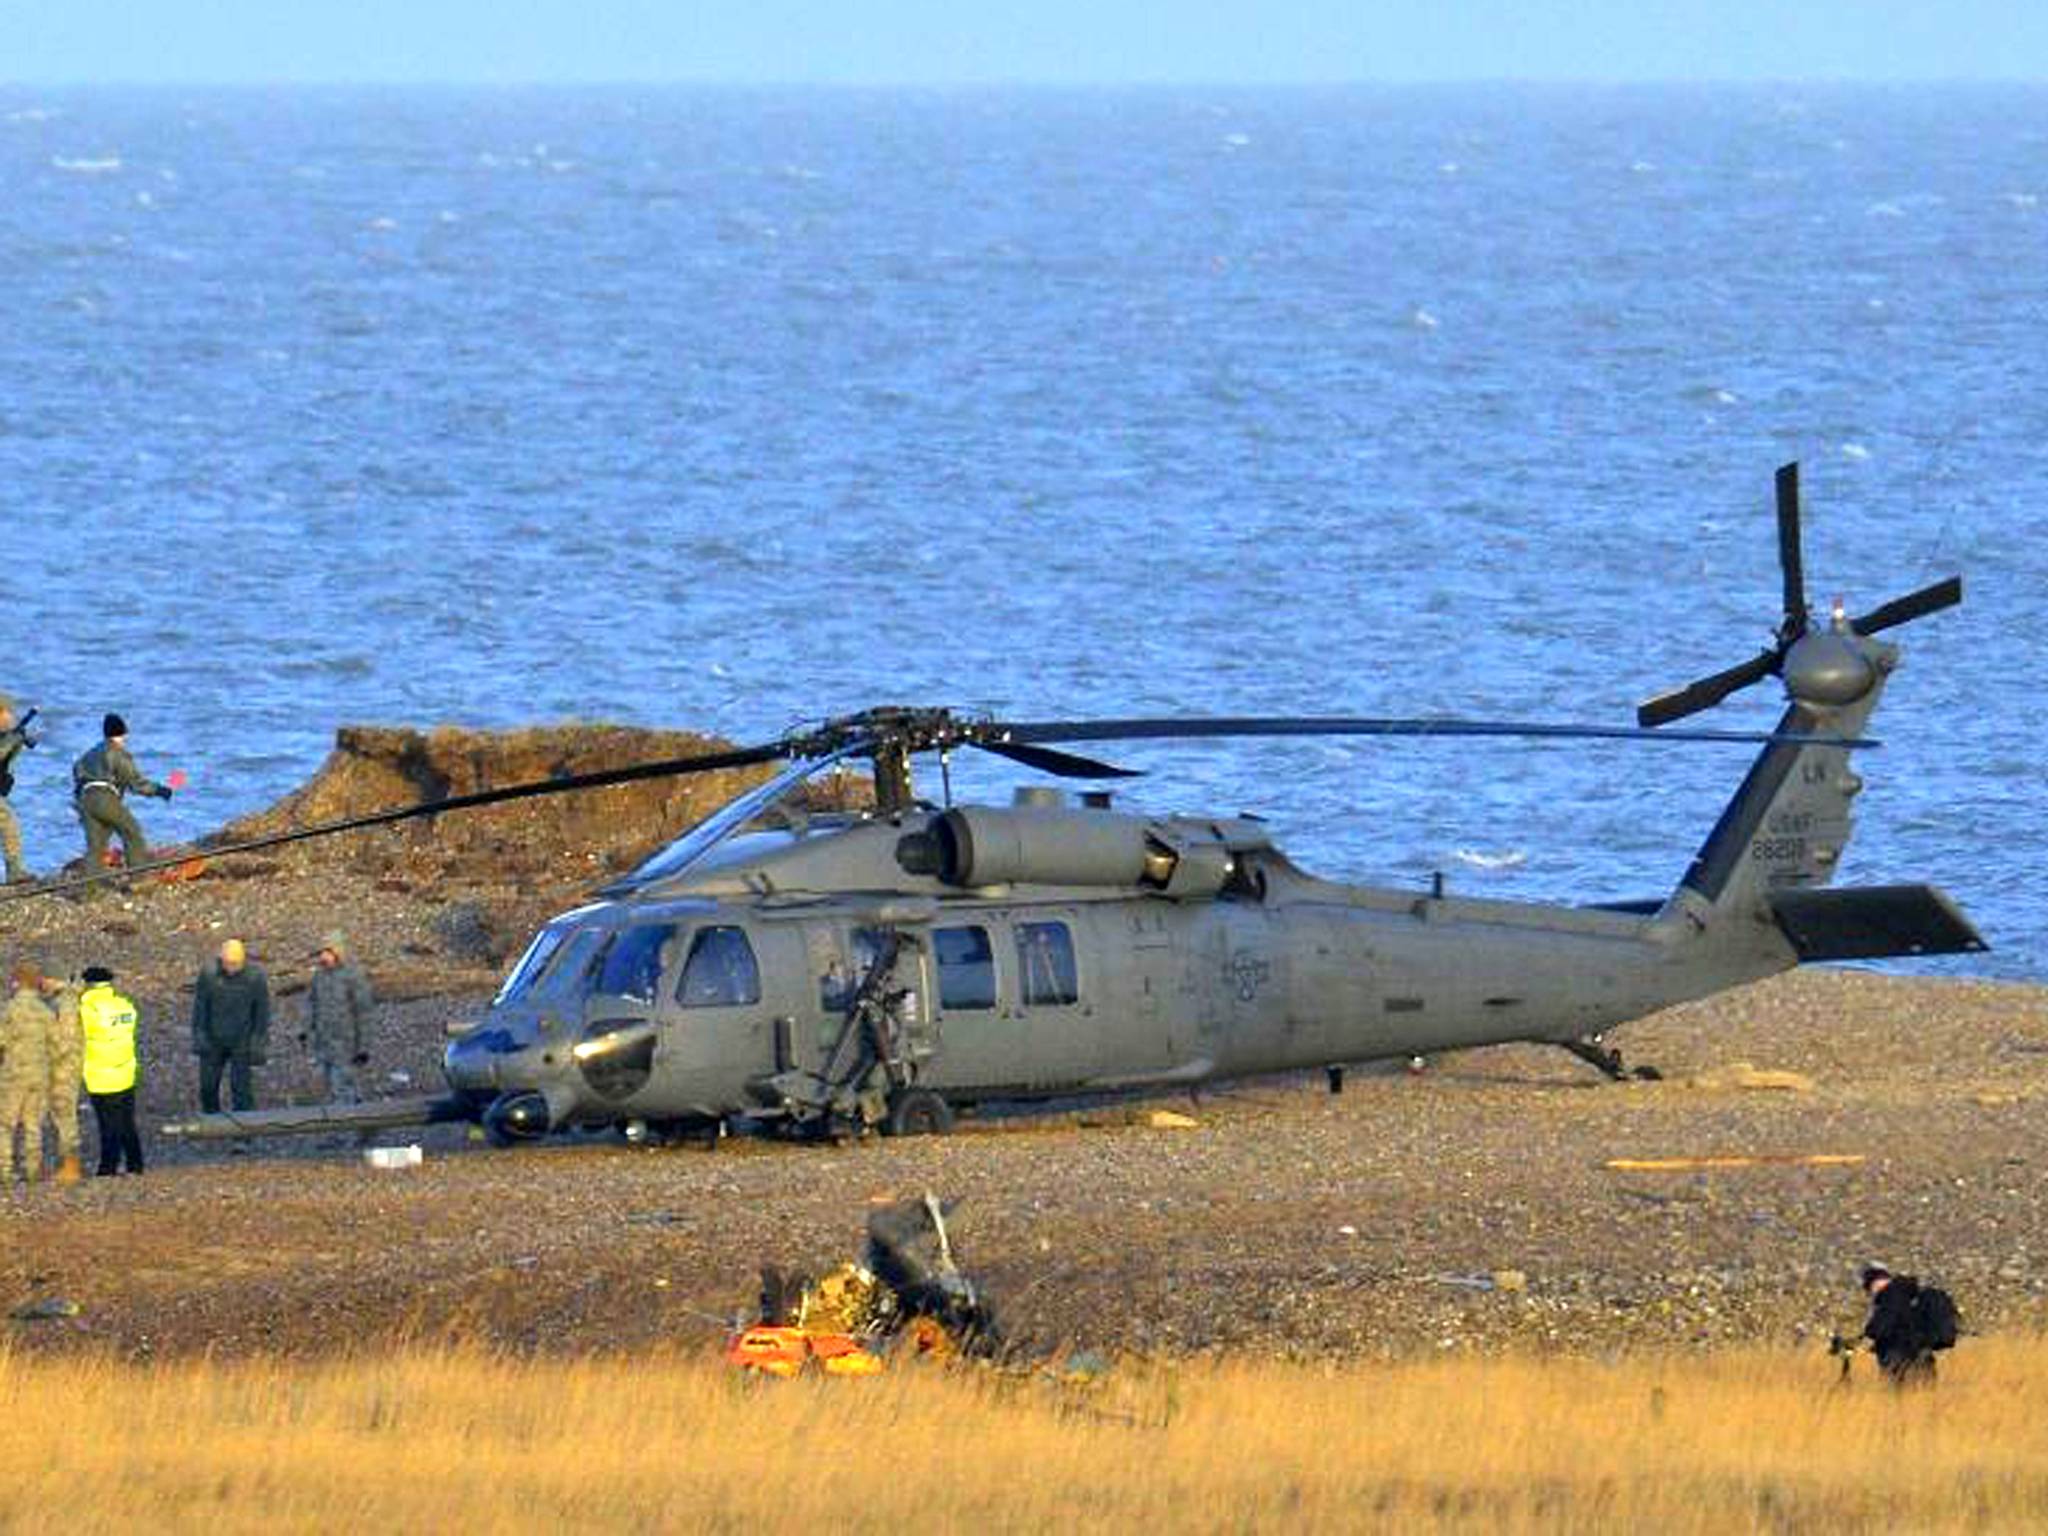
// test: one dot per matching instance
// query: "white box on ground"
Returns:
(393, 1157)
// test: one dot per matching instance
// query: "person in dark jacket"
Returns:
(1894, 1327)
(338, 1008)
(230, 1026)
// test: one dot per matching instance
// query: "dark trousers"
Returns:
(118, 1137)
(241, 1083)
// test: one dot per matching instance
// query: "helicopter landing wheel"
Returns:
(918, 1112)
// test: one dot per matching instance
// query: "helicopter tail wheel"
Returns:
(918, 1112)
(1598, 1053)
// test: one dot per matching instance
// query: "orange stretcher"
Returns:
(788, 1352)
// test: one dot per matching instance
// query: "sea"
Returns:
(734, 409)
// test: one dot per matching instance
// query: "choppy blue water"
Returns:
(725, 409)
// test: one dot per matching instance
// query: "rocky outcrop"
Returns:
(578, 835)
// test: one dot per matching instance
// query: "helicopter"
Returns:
(887, 968)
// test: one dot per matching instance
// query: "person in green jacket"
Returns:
(100, 782)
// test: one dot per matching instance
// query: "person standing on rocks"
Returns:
(14, 736)
(108, 1022)
(67, 1048)
(25, 1032)
(339, 1007)
(100, 782)
(230, 1026)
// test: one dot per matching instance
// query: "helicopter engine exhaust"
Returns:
(986, 846)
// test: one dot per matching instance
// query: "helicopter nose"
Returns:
(496, 1058)
(471, 1062)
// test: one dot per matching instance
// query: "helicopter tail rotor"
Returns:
(1820, 667)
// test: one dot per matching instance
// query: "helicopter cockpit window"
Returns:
(570, 959)
(967, 968)
(528, 970)
(721, 971)
(632, 966)
(1045, 965)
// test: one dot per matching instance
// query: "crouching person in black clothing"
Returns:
(1908, 1323)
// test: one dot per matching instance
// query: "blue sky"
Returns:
(1058, 41)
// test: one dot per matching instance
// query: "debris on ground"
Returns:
(906, 1296)
(1170, 1120)
(49, 1310)
(1736, 1160)
(1741, 1075)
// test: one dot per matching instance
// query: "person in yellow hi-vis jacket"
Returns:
(108, 1020)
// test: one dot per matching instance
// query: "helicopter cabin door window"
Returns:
(1046, 974)
(967, 968)
(721, 971)
(634, 963)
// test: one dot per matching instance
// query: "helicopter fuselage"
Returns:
(1014, 989)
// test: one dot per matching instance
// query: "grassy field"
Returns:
(422, 1441)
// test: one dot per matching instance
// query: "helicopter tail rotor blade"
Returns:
(1067, 765)
(1791, 563)
(1706, 692)
(1914, 605)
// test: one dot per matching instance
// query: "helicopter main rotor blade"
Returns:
(1069, 765)
(1914, 605)
(1791, 563)
(1221, 726)
(674, 767)
(1708, 691)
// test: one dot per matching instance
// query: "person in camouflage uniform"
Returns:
(25, 1032)
(13, 738)
(339, 1004)
(67, 1057)
(100, 781)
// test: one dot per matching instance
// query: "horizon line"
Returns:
(994, 82)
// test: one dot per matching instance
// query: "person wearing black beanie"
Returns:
(101, 780)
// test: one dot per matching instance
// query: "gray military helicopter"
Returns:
(889, 967)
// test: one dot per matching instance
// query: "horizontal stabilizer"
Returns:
(315, 1119)
(1873, 923)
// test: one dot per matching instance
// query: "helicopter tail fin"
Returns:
(1754, 888)
(1788, 823)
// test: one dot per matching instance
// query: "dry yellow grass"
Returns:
(424, 1441)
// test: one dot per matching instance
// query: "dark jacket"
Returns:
(1894, 1326)
(231, 1014)
(338, 1009)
